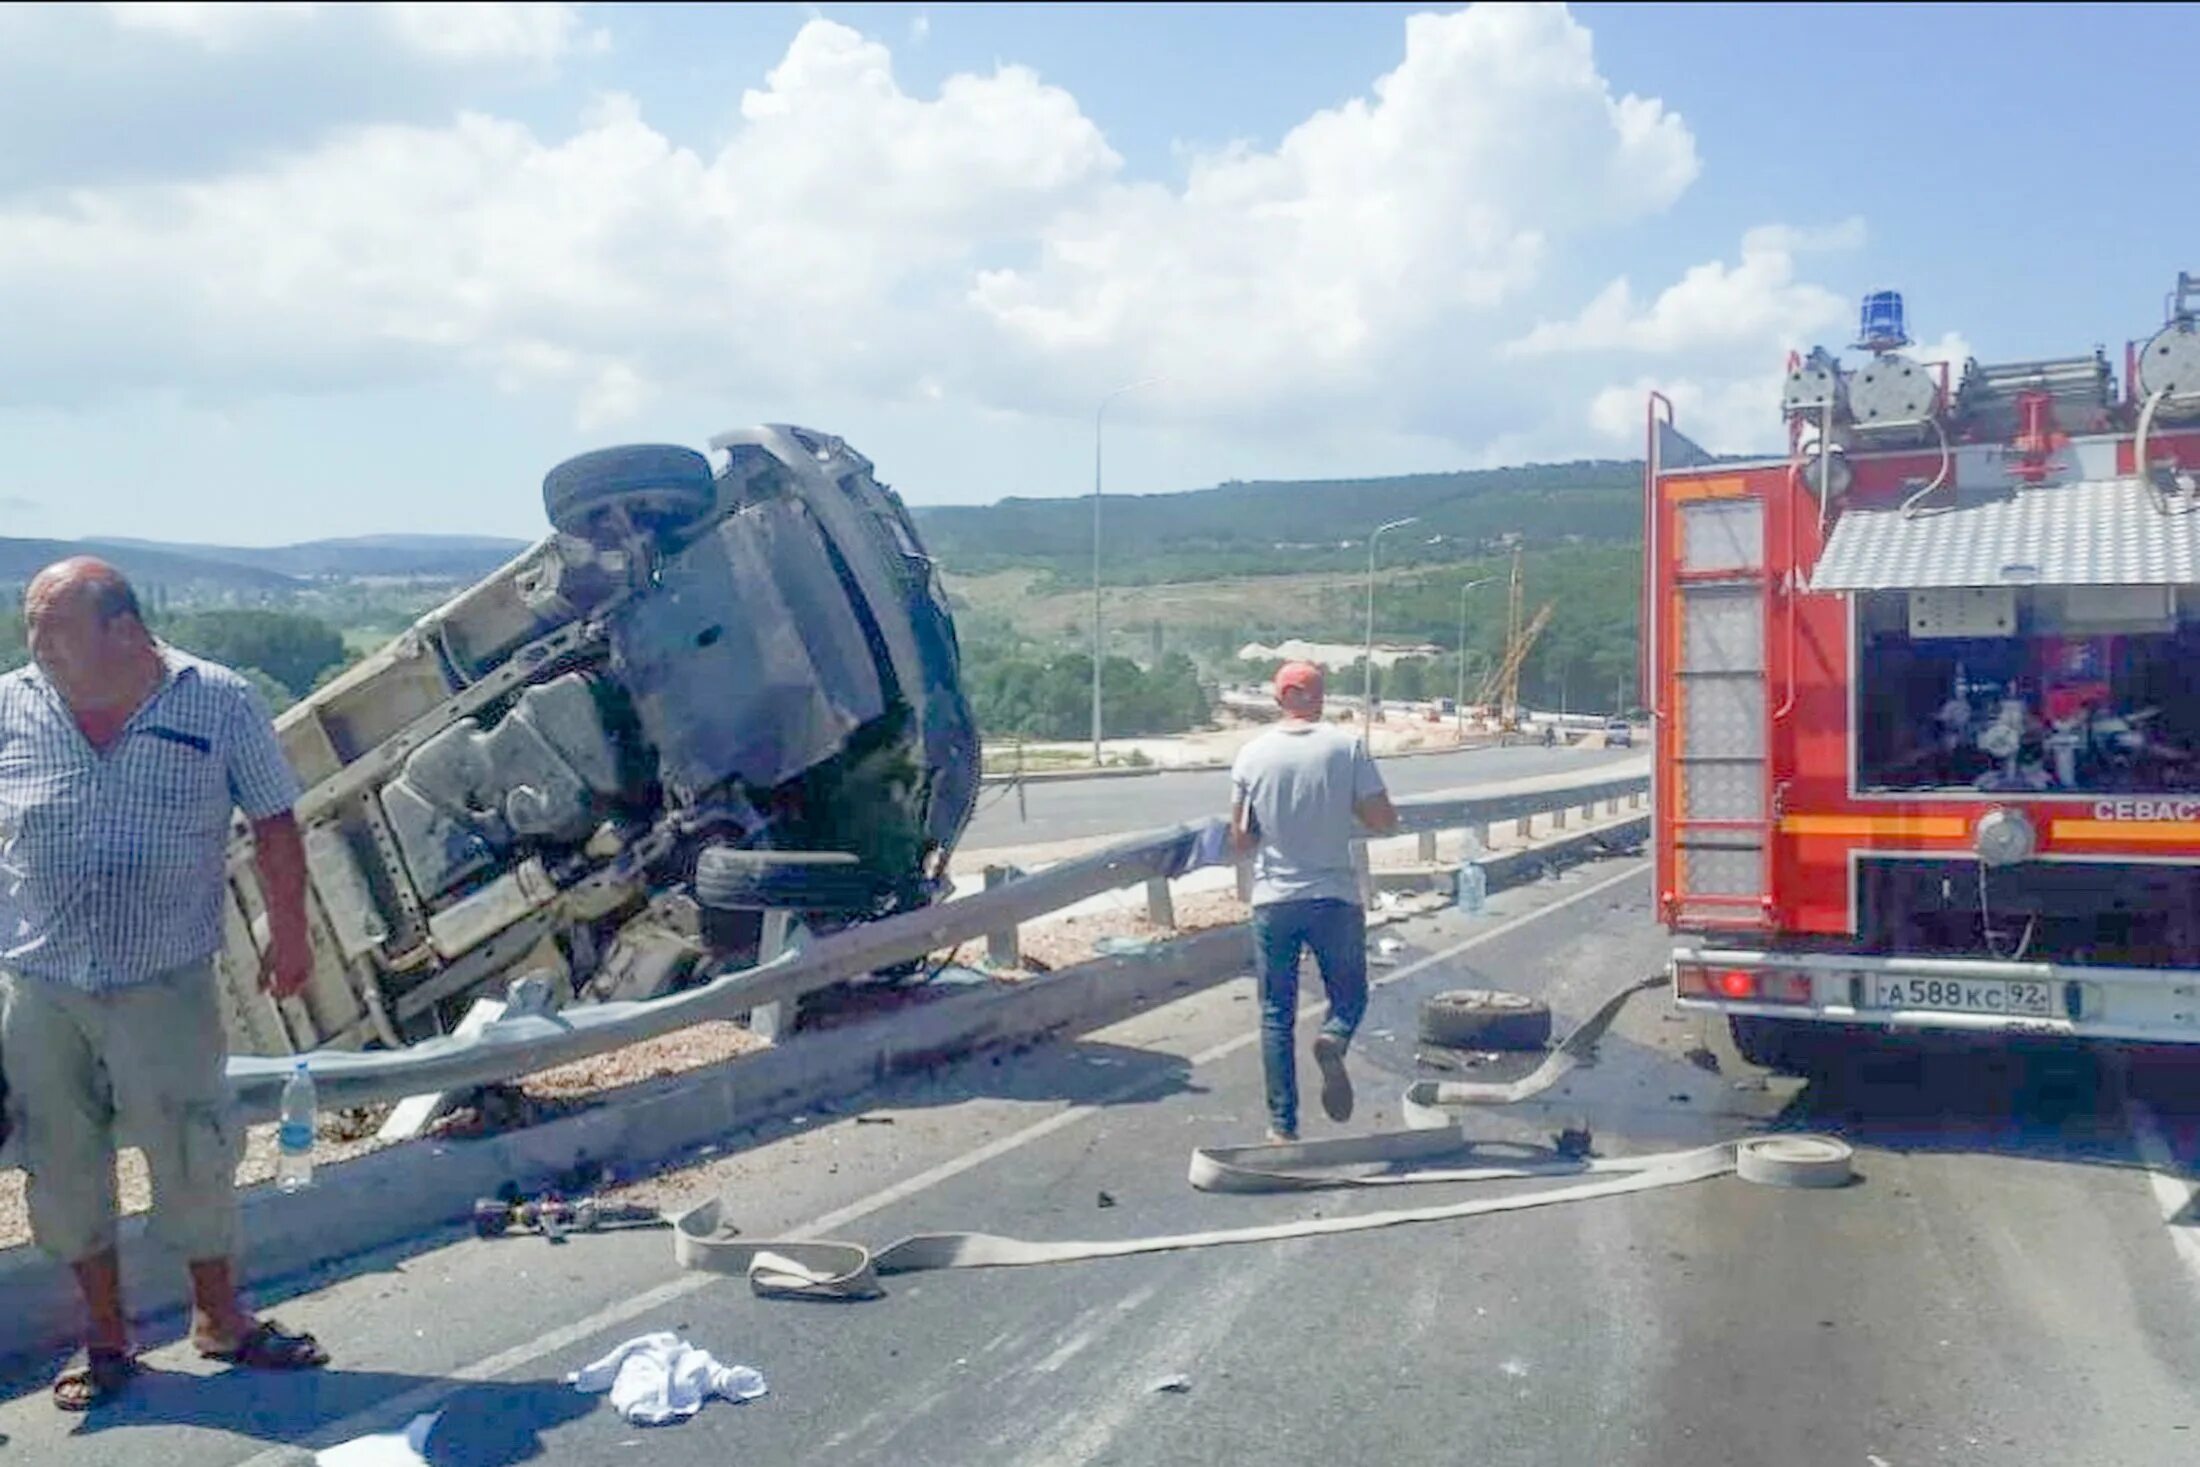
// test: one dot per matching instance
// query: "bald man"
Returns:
(121, 762)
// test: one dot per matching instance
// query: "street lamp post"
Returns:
(1099, 417)
(1367, 697)
(1459, 707)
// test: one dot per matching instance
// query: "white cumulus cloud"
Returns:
(981, 247)
(478, 30)
(1314, 264)
(215, 25)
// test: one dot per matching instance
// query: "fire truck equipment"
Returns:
(1927, 743)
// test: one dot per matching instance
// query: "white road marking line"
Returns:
(421, 1398)
(2171, 1191)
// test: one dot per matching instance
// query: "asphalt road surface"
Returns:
(2005, 1283)
(1061, 810)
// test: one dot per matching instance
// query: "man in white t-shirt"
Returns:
(1304, 790)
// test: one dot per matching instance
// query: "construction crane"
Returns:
(1501, 690)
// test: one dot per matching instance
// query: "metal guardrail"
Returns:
(521, 1044)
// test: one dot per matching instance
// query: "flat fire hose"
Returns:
(828, 1269)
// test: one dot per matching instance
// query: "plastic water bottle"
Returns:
(1470, 889)
(294, 1136)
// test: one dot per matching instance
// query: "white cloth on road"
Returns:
(660, 1377)
(407, 1448)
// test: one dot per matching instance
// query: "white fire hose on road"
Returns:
(828, 1269)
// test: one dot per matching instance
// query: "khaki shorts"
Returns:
(145, 1062)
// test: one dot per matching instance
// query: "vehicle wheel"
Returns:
(832, 882)
(1484, 1018)
(1777, 1045)
(659, 486)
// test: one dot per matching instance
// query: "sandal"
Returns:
(91, 1376)
(269, 1347)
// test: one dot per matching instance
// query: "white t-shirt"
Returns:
(1302, 781)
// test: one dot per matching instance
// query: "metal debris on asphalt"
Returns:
(1105, 1200)
(1175, 1385)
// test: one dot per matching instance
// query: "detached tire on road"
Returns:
(730, 880)
(660, 486)
(1485, 1018)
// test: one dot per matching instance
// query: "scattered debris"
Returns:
(658, 1378)
(1115, 946)
(1105, 1200)
(1702, 1059)
(1680, 1097)
(1574, 1142)
(553, 1217)
(874, 1120)
(1175, 1385)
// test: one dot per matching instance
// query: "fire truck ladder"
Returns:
(1719, 806)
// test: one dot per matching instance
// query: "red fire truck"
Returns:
(1927, 697)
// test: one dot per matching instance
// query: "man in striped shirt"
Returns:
(121, 761)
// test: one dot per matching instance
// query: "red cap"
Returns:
(1299, 677)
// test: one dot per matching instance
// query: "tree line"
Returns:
(286, 654)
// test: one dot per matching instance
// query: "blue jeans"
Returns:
(1337, 932)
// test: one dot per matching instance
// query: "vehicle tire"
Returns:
(1778, 1045)
(660, 486)
(1484, 1018)
(829, 882)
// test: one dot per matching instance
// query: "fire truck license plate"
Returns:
(1964, 995)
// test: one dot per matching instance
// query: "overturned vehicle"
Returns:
(722, 703)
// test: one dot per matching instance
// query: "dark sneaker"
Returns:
(1336, 1084)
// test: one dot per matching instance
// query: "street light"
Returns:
(1367, 701)
(1098, 418)
(1460, 707)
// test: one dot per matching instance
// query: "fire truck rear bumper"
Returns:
(2136, 1005)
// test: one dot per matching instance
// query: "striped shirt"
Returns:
(112, 865)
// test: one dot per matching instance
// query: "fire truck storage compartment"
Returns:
(2095, 912)
(2063, 689)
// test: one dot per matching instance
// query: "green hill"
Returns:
(1256, 528)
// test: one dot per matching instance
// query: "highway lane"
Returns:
(1062, 810)
(2000, 1286)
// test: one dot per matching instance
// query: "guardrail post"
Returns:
(1524, 827)
(1427, 848)
(1558, 818)
(1160, 903)
(1481, 835)
(1611, 806)
(1002, 949)
(768, 1021)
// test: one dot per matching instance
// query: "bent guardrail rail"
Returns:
(522, 1044)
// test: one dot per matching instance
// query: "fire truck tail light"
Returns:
(1742, 985)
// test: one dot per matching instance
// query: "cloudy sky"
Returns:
(281, 271)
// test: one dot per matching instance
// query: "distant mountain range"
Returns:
(197, 570)
(1240, 528)
(456, 557)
